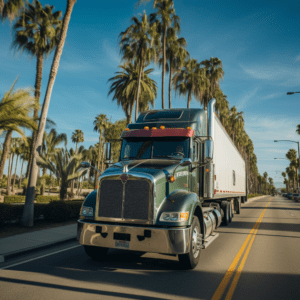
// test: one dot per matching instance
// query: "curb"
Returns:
(7, 256)
(255, 198)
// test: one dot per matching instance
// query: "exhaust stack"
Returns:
(209, 176)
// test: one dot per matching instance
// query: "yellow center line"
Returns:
(221, 288)
(242, 264)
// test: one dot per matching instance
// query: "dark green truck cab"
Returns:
(155, 199)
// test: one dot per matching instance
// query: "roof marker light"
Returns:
(189, 128)
(162, 127)
(154, 128)
(126, 129)
(146, 128)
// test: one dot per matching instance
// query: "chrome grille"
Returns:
(136, 204)
(110, 205)
(124, 201)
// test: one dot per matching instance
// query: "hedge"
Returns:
(46, 199)
(14, 199)
(249, 196)
(38, 198)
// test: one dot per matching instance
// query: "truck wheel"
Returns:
(243, 199)
(96, 253)
(238, 206)
(225, 205)
(190, 260)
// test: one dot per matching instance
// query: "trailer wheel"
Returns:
(243, 199)
(225, 205)
(96, 253)
(237, 205)
(190, 260)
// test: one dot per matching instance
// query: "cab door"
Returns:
(194, 174)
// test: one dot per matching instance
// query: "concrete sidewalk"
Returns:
(22, 243)
(26, 242)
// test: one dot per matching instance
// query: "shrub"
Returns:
(10, 212)
(14, 199)
(57, 211)
(46, 199)
(253, 195)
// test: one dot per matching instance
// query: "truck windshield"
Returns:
(143, 148)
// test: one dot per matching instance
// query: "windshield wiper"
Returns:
(166, 156)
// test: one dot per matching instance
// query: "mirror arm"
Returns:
(95, 169)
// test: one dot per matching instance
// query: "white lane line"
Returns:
(23, 262)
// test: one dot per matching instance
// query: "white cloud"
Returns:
(246, 98)
(284, 75)
(111, 52)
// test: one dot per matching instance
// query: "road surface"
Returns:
(256, 257)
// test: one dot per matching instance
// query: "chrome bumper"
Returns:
(168, 241)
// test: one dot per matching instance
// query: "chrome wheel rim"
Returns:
(195, 248)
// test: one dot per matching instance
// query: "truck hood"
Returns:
(155, 167)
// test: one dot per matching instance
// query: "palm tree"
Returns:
(77, 137)
(138, 44)
(37, 33)
(214, 73)
(18, 150)
(27, 217)
(64, 166)
(176, 55)
(100, 124)
(15, 109)
(50, 142)
(124, 88)
(190, 80)
(165, 18)
(10, 9)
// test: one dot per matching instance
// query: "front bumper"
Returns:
(157, 240)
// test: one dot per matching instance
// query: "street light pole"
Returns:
(289, 93)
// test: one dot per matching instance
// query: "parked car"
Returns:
(283, 195)
(295, 196)
(289, 195)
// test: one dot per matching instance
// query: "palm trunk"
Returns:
(99, 160)
(27, 217)
(43, 188)
(13, 187)
(63, 194)
(189, 99)
(138, 91)
(37, 95)
(20, 179)
(6, 147)
(170, 85)
(131, 112)
(163, 68)
(8, 176)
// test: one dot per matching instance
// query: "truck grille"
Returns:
(136, 201)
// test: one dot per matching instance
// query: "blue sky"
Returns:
(257, 42)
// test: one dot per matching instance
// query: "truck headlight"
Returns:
(174, 216)
(87, 211)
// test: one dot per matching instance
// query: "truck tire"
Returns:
(237, 206)
(96, 253)
(190, 260)
(230, 212)
(225, 205)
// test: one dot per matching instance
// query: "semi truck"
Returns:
(178, 178)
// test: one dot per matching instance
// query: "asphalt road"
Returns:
(256, 257)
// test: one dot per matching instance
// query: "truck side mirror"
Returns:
(209, 146)
(107, 152)
(85, 164)
(185, 162)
